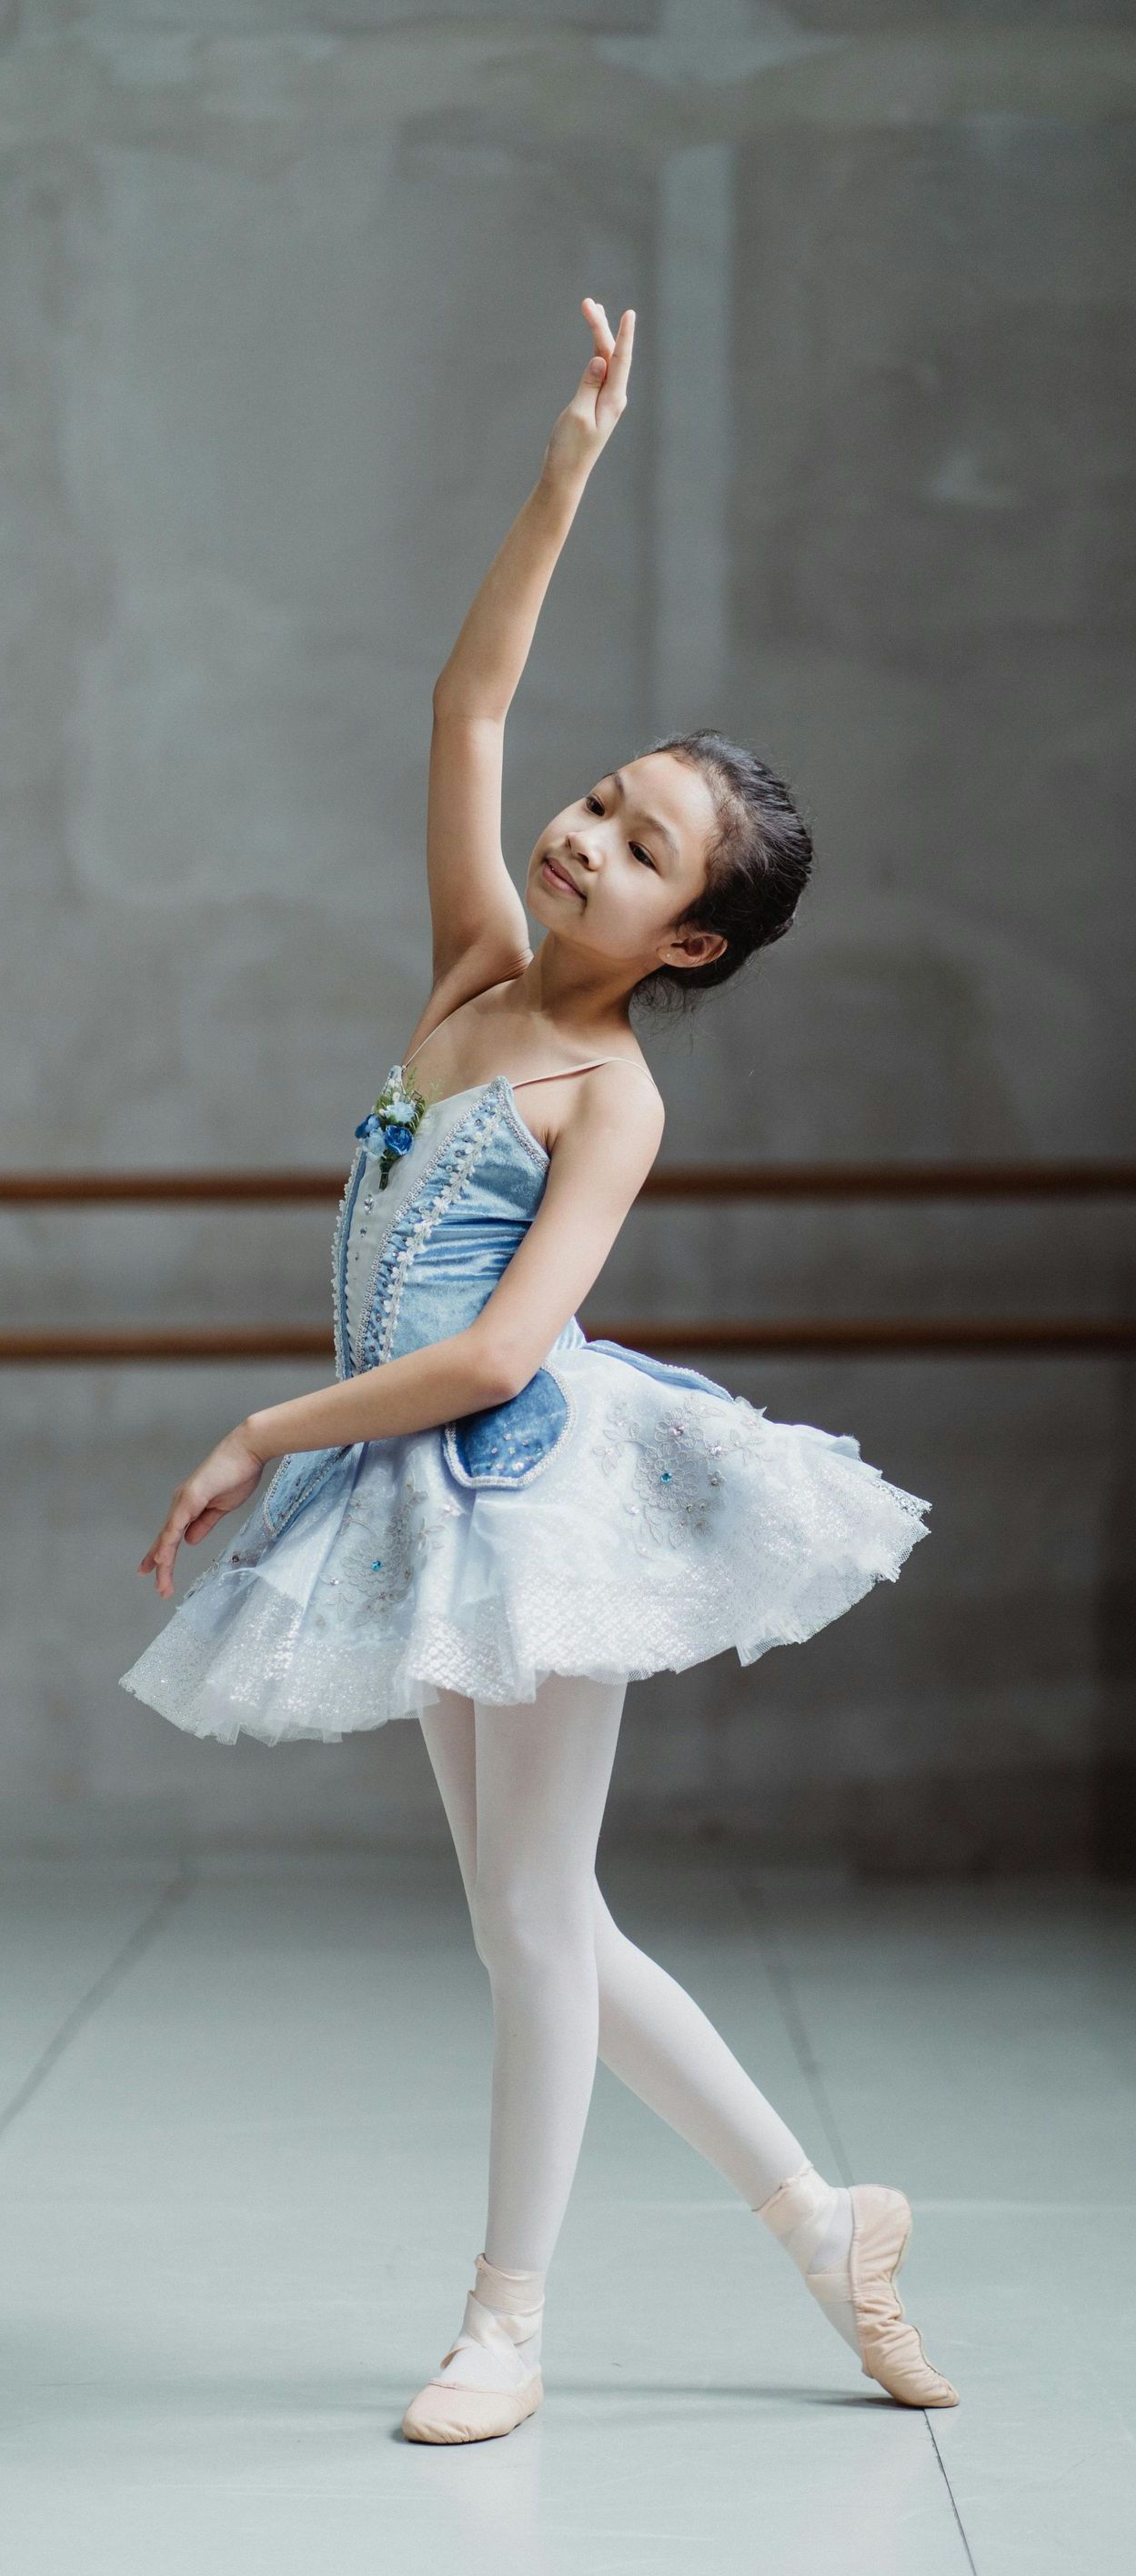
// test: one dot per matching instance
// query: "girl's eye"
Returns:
(594, 806)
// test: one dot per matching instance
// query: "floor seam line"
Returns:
(959, 2523)
(760, 1913)
(88, 2004)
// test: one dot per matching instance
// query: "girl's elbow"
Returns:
(498, 1371)
(463, 698)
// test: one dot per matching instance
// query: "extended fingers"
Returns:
(604, 381)
(164, 1555)
(601, 329)
(619, 362)
(159, 1559)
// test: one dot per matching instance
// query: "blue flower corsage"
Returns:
(388, 1130)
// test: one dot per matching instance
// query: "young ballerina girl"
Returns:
(490, 1523)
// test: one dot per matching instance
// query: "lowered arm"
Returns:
(599, 1164)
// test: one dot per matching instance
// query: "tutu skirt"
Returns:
(671, 1522)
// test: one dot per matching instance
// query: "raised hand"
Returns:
(585, 425)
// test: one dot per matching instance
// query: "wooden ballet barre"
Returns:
(863, 1336)
(280, 1187)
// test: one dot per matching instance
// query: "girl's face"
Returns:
(614, 871)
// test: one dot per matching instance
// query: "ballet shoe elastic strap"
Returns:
(516, 2299)
(491, 2321)
(480, 2326)
(799, 2212)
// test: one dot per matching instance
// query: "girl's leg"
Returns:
(542, 1777)
(651, 2033)
(448, 1735)
(659, 2042)
(525, 1817)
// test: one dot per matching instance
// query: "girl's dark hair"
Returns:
(756, 871)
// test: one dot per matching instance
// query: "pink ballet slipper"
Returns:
(890, 2348)
(495, 2388)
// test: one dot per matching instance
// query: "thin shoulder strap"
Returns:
(557, 1075)
(563, 1069)
(430, 1033)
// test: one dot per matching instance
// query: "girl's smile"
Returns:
(558, 877)
(635, 857)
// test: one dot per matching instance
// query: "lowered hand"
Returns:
(224, 1480)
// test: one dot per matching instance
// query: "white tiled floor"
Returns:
(242, 2159)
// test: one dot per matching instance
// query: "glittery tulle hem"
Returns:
(280, 1687)
(673, 1526)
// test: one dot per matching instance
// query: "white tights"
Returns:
(524, 1791)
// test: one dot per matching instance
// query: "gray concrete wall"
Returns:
(288, 296)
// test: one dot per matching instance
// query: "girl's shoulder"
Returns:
(608, 1076)
(620, 1085)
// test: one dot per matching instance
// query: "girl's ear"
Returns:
(693, 948)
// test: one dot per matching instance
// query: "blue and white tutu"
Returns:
(620, 1517)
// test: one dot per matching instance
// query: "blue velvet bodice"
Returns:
(416, 1261)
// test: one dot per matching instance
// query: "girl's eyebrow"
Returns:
(653, 822)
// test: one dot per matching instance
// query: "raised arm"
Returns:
(476, 912)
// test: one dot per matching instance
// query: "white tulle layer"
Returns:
(668, 1526)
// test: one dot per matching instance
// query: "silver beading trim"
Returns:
(344, 1366)
(536, 1149)
(419, 1212)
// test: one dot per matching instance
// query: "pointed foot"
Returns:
(891, 2348)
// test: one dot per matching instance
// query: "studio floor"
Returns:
(243, 2146)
